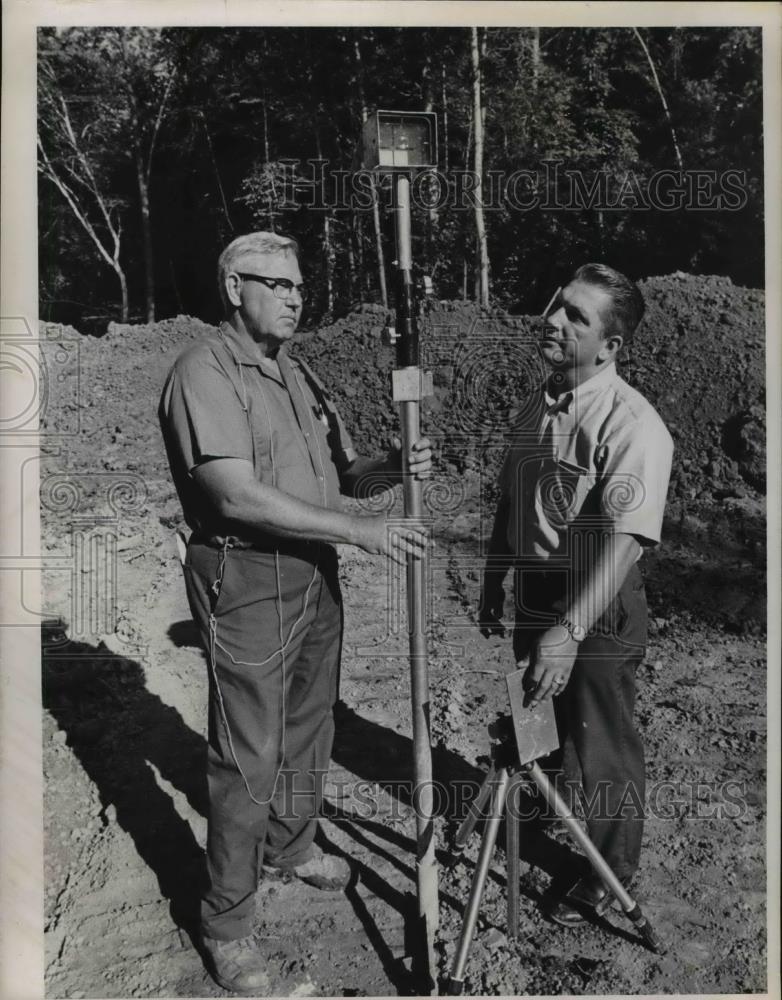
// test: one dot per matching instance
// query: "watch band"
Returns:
(577, 632)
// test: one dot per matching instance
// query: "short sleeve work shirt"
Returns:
(221, 401)
(598, 456)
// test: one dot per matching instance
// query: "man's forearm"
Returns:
(556, 650)
(256, 507)
(601, 578)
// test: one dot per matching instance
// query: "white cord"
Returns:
(287, 642)
(217, 587)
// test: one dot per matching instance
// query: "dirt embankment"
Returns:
(698, 357)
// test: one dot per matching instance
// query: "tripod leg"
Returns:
(471, 819)
(596, 859)
(512, 854)
(456, 981)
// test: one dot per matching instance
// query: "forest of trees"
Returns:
(156, 147)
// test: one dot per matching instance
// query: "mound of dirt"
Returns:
(698, 358)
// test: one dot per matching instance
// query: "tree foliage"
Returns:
(182, 138)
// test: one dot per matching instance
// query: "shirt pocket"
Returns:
(564, 487)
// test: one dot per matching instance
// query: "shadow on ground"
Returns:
(389, 767)
(121, 734)
(119, 731)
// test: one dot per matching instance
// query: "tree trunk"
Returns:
(480, 223)
(432, 219)
(351, 258)
(381, 257)
(123, 284)
(381, 260)
(445, 123)
(146, 235)
(144, 173)
(266, 160)
(328, 247)
(427, 83)
(47, 168)
(535, 59)
(220, 189)
(329, 255)
(265, 131)
(362, 274)
(661, 95)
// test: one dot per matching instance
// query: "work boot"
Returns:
(237, 966)
(587, 897)
(323, 871)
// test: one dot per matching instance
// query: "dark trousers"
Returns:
(272, 632)
(595, 711)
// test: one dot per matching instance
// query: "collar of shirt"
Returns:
(559, 405)
(593, 386)
(243, 355)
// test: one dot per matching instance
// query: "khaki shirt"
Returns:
(220, 401)
(597, 458)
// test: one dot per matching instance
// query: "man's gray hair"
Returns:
(245, 246)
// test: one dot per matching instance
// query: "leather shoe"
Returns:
(237, 966)
(586, 897)
(323, 871)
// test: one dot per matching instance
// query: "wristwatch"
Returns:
(577, 632)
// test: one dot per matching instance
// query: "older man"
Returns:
(259, 457)
(582, 494)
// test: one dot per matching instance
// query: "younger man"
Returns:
(582, 493)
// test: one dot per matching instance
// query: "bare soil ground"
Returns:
(124, 688)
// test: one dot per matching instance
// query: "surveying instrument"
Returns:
(519, 741)
(399, 144)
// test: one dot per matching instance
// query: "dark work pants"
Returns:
(271, 724)
(595, 711)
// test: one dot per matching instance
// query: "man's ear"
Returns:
(233, 283)
(610, 347)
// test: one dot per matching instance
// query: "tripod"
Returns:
(506, 774)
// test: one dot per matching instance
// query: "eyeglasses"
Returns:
(283, 288)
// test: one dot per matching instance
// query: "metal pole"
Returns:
(512, 821)
(408, 391)
(609, 879)
(456, 981)
(470, 821)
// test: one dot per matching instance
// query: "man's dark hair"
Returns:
(628, 303)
